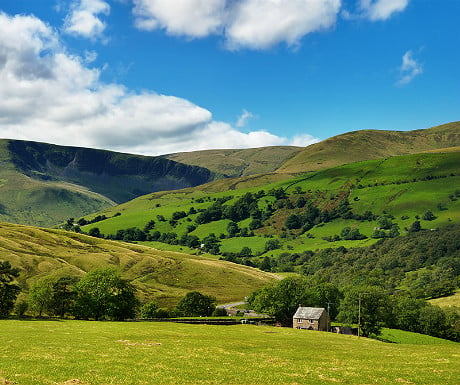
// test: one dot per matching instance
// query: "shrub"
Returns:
(149, 310)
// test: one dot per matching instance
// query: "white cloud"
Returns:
(261, 24)
(244, 117)
(51, 96)
(381, 9)
(84, 19)
(255, 24)
(303, 140)
(409, 69)
(192, 18)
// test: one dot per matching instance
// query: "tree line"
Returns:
(101, 294)
(372, 306)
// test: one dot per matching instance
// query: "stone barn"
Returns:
(311, 318)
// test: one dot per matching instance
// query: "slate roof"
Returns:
(309, 312)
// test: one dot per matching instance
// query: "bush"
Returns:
(219, 312)
(149, 310)
(195, 304)
(429, 216)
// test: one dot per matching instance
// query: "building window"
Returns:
(299, 320)
(311, 321)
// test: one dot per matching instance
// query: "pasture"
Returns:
(135, 353)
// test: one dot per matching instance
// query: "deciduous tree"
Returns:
(8, 289)
(195, 304)
(102, 293)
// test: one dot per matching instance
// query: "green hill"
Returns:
(235, 163)
(43, 184)
(159, 275)
(405, 187)
(371, 144)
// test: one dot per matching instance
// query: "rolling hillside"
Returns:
(356, 195)
(43, 184)
(371, 144)
(161, 276)
(235, 163)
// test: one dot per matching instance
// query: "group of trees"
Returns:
(370, 307)
(100, 294)
(193, 304)
(426, 263)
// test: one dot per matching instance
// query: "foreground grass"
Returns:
(93, 353)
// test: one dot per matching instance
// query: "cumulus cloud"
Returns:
(254, 24)
(261, 24)
(84, 19)
(409, 69)
(48, 95)
(192, 18)
(303, 140)
(382, 9)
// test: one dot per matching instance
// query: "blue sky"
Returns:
(162, 76)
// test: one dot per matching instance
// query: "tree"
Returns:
(95, 232)
(280, 300)
(63, 295)
(102, 293)
(8, 289)
(433, 321)
(149, 310)
(255, 224)
(211, 244)
(406, 312)
(351, 234)
(369, 306)
(246, 252)
(384, 222)
(195, 304)
(325, 295)
(232, 229)
(272, 244)
(219, 312)
(293, 222)
(149, 226)
(41, 295)
(428, 216)
(415, 227)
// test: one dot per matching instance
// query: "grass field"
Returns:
(97, 353)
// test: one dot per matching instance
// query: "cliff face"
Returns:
(119, 177)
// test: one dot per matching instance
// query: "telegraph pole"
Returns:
(359, 312)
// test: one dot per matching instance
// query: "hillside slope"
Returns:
(235, 163)
(161, 276)
(356, 195)
(43, 184)
(371, 144)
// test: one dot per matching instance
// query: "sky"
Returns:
(163, 76)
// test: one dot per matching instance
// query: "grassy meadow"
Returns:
(403, 186)
(132, 353)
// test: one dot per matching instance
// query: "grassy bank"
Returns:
(96, 353)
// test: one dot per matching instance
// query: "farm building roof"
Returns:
(309, 312)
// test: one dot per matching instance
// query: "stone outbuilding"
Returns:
(311, 318)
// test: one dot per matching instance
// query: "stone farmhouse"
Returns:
(311, 318)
